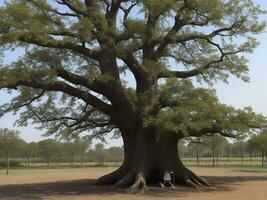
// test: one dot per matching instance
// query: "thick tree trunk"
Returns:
(146, 160)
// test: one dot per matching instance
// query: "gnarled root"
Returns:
(139, 183)
(193, 180)
(112, 177)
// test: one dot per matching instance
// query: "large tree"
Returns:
(71, 78)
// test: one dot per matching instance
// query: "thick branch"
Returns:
(73, 7)
(63, 87)
(111, 15)
(60, 45)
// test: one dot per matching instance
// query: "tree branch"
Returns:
(60, 45)
(65, 88)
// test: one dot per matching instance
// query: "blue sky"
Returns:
(236, 93)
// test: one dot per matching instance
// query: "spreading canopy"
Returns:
(96, 41)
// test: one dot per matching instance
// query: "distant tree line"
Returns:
(218, 146)
(50, 151)
(78, 151)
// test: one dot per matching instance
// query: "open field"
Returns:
(189, 161)
(223, 161)
(229, 183)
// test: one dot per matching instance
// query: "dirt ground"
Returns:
(72, 184)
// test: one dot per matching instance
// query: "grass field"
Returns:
(203, 161)
(223, 161)
(244, 183)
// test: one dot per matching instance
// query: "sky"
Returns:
(235, 93)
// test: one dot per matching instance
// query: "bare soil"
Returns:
(72, 184)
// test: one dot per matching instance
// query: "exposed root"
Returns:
(139, 183)
(197, 179)
(190, 182)
(125, 181)
(111, 178)
(193, 180)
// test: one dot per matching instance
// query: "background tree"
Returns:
(47, 150)
(259, 144)
(182, 148)
(82, 145)
(9, 141)
(239, 149)
(84, 78)
(216, 144)
(115, 154)
(228, 151)
(29, 151)
(59, 151)
(252, 148)
(70, 150)
(196, 142)
(99, 149)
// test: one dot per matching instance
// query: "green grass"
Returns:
(44, 170)
(205, 162)
(223, 161)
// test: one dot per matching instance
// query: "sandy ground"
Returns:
(72, 184)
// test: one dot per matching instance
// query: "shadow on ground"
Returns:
(82, 187)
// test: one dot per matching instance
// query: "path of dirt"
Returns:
(73, 184)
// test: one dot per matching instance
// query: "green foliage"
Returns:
(99, 152)
(188, 111)
(12, 163)
(258, 143)
(239, 148)
(9, 142)
(215, 143)
(69, 80)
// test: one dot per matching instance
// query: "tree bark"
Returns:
(147, 158)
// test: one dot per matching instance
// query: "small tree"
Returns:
(70, 150)
(99, 148)
(239, 149)
(228, 150)
(197, 142)
(9, 140)
(82, 144)
(252, 148)
(181, 148)
(59, 151)
(29, 151)
(216, 144)
(116, 154)
(47, 150)
(259, 144)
